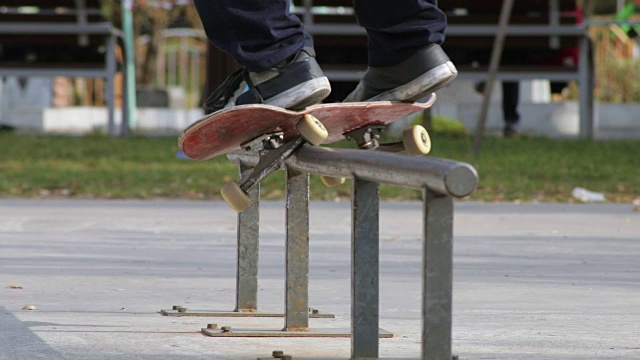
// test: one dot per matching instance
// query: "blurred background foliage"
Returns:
(617, 63)
(150, 19)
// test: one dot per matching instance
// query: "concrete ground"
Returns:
(531, 281)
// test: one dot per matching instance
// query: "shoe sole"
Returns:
(302, 95)
(429, 82)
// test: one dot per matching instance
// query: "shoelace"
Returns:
(221, 96)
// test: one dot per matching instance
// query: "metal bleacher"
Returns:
(59, 38)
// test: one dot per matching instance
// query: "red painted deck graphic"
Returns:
(227, 129)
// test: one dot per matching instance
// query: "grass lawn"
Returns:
(522, 169)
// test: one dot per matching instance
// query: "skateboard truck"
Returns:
(415, 140)
(273, 153)
(367, 137)
(272, 156)
(265, 142)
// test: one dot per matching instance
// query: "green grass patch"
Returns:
(522, 169)
(537, 169)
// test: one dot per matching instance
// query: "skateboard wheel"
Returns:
(330, 181)
(312, 130)
(235, 197)
(416, 140)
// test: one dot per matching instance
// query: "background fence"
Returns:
(175, 59)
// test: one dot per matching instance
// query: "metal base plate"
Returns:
(212, 313)
(342, 333)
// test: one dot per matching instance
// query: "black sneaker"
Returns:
(293, 84)
(510, 131)
(424, 72)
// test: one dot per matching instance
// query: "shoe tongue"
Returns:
(258, 78)
(302, 54)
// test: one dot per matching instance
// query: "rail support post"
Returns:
(297, 252)
(437, 276)
(248, 250)
(365, 251)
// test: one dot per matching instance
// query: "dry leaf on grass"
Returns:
(14, 287)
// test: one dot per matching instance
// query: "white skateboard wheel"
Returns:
(312, 130)
(233, 195)
(330, 181)
(416, 140)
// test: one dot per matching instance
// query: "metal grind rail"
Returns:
(441, 181)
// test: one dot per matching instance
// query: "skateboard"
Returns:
(276, 133)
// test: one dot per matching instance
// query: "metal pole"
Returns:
(440, 175)
(110, 80)
(437, 276)
(248, 249)
(130, 80)
(496, 55)
(81, 6)
(297, 255)
(588, 121)
(554, 21)
(365, 251)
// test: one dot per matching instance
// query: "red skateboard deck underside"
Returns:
(226, 130)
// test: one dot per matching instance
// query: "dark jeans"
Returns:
(262, 33)
(510, 98)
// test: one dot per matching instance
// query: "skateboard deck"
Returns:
(228, 129)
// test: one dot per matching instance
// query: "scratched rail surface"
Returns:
(443, 176)
(441, 180)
